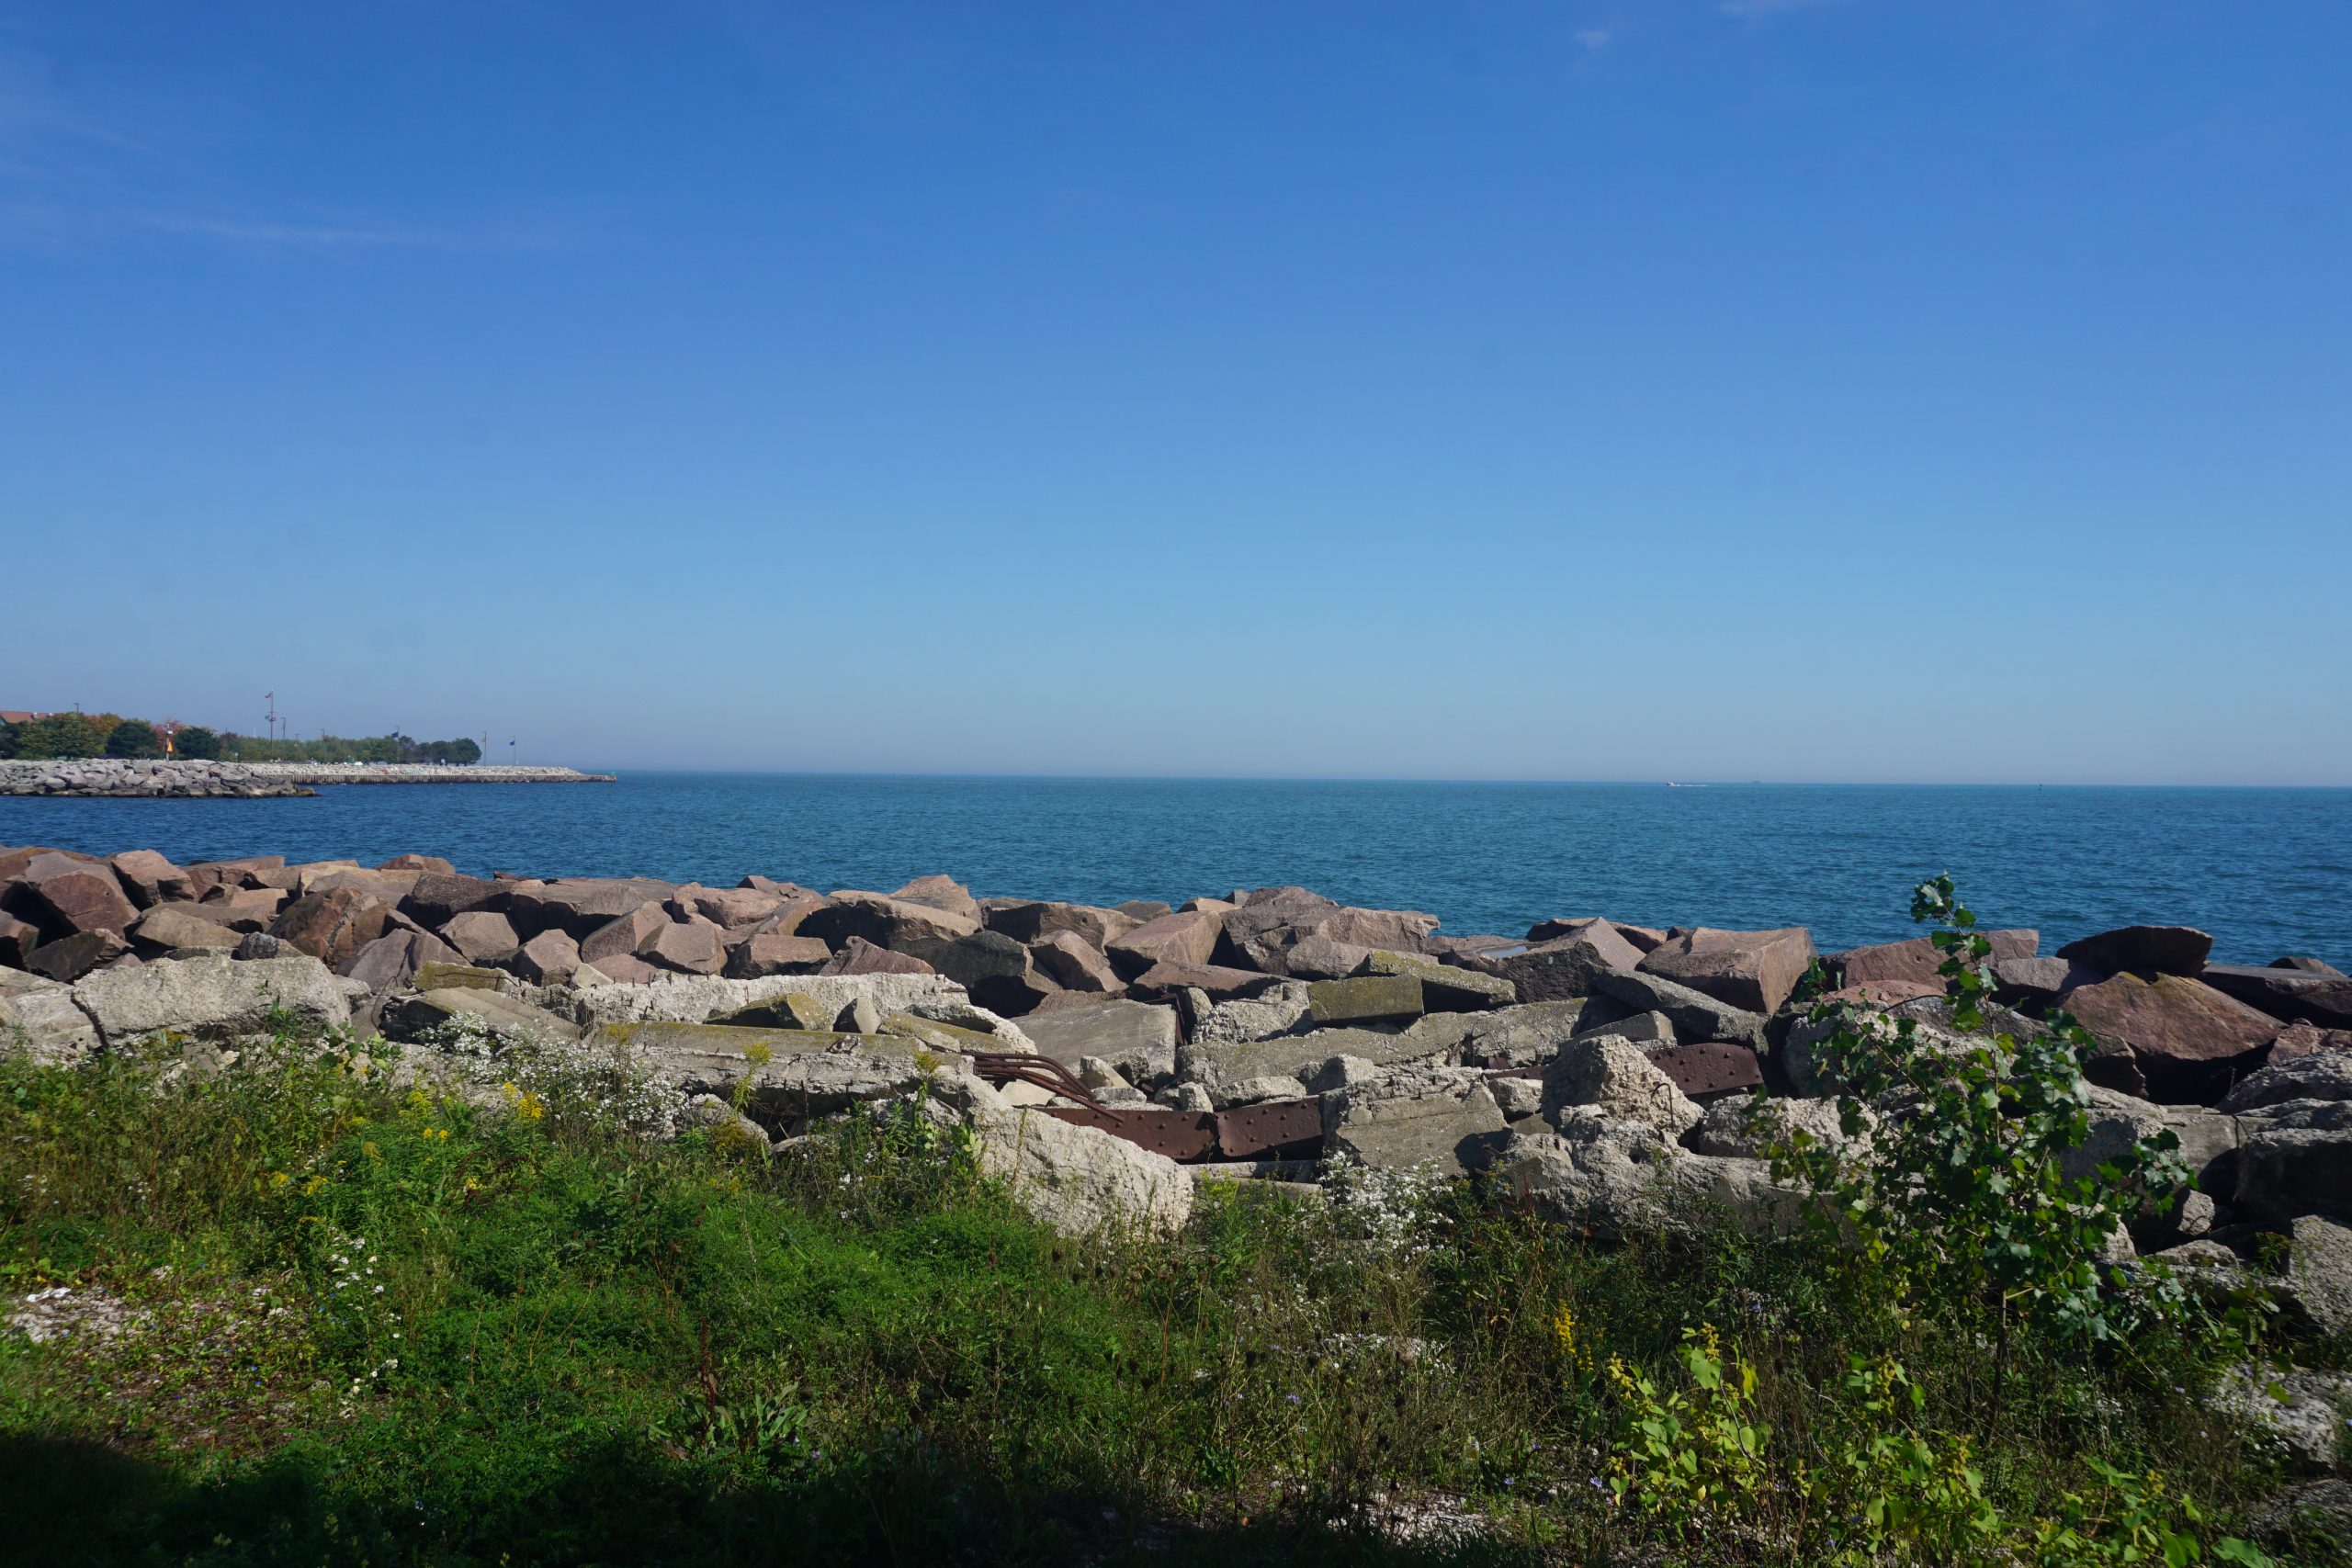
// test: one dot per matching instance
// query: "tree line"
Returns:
(65, 735)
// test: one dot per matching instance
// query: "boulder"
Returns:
(17, 939)
(483, 937)
(766, 952)
(383, 963)
(579, 905)
(2319, 1272)
(244, 908)
(448, 976)
(1695, 1015)
(170, 926)
(619, 968)
(150, 879)
(65, 894)
(1255, 1091)
(418, 864)
(205, 877)
(883, 921)
(1443, 1119)
(859, 956)
(625, 933)
(1528, 1035)
(730, 909)
(1754, 971)
(1277, 1009)
(1618, 1179)
(1613, 1076)
(1138, 1039)
(436, 898)
(1073, 963)
(210, 998)
(549, 958)
(1739, 1129)
(2188, 1040)
(992, 967)
(686, 947)
(1034, 921)
(2325, 1075)
(694, 998)
(332, 925)
(2038, 984)
(2294, 995)
(38, 1016)
(1367, 999)
(1079, 1179)
(1605, 939)
(1919, 960)
(2297, 1160)
(1444, 988)
(1161, 982)
(1180, 939)
(1315, 956)
(411, 1018)
(2143, 950)
(69, 958)
(2306, 1040)
(785, 919)
(941, 893)
(1565, 968)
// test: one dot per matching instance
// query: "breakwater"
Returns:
(131, 778)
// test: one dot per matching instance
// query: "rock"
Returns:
(17, 939)
(1345, 1071)
(883, 921)
(69, 958)
(1620, 1178)
(2306, 1040)
(2037, 984)
(1694, 1014)
(1528, 1035)
(1516, 1097)
(686, 948)
(1603, 938)
(1163, 981)
(1647, 1030)
(1741, 1129)
(247, 910)
(38, 1015)
(1444, 988)
(1277, 1009)
(1754, 971)
(2188, 1040)
(1142, 910)
(549, 958)
(1613, 1076)
(170, 926)
(1255, 1091)
(1186, 1096)
(1074, 964)
(2312, 1521)
(730, 909)
(1318, 957)
(445, 975)
(210, 998)
(150, 879)
(579, 905)
(1446, 1119)
(2297, 995)
(992, 967)
(384, 963)
(204, 877)
(67, 894)
(1563, 968)
(438, 896)
(627, 932)
(2325, 1075)
(685, 998)
(260, 944)
(793, 1010)
(1181, 940)
(1033, 922)
(2308, 965)
(726, 1125)
(2302, 1411)
(941, 893)
(783, 1078)
(859, 956)
(418, 864)
(1919, 960)
(1138, 1039)
(2143, 951)
(1368, 1000)
(332, 925)
(767, 953)
(410, 1017)
(2296, 1159)
(1079, 1179)
(485, 938)
(2319, 1271)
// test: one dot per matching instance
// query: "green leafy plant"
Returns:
(1684, 1454)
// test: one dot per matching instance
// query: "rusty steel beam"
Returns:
(1179, 1134)
(1253, 1132)
(1714, 1068)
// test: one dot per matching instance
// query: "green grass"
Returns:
(376, 1327)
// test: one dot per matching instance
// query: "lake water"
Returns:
(2267, 871)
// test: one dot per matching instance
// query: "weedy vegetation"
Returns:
(302, 1313)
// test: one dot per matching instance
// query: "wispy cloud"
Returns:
(341, 233)
(1594, 39)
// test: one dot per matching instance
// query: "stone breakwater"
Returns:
(1110, 1057)
(135, 778)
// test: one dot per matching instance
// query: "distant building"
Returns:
(13, 715)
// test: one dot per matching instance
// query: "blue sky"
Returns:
(1856, 390)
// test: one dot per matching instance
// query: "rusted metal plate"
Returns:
(1250, 1132)
(1179, 1134)
(1014, 1066)
(1713, 1067)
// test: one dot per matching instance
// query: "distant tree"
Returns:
(101, 726)
(464, 752)
(60, 734)
(7, 742)
(196, 743)
(134, 738)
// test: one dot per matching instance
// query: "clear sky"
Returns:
(1849, 390)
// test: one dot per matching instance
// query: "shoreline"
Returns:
(147, 779)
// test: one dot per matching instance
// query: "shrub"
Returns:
(196, 743)
(134, 737)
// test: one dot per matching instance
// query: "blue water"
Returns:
(2268, 871)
